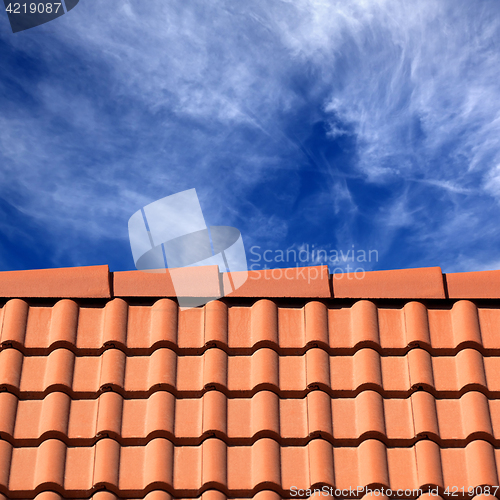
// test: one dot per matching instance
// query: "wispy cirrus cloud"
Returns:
(340, 123)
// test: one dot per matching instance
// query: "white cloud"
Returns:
(135, 100)
(421, 86)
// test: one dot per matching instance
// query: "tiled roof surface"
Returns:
(296, 380)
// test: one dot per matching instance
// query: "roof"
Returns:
(298, 379)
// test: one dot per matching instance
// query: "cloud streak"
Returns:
(338, 123)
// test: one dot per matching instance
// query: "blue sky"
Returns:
(339, 124)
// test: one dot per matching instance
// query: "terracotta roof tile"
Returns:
(424, 283)
(200, 281)
(309, 282)
(250, 395)
(76, 282)
(156, 495)
(479, 285)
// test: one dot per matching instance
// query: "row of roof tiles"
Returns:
(164, 495)
(237, 396)
(310, 282)
(212, 494)
(241, 421)
(241, 470)
(140, 329)
(242, 376)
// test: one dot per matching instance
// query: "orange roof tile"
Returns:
(424, 283)
(203, 280)
(108, 390)
(292, 282)
(76, 282)
(483, 285)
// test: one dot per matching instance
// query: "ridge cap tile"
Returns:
(204, 280)
(304, 282)
(416, 283)
(307, 282)
(66, 282)
(473, 285)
